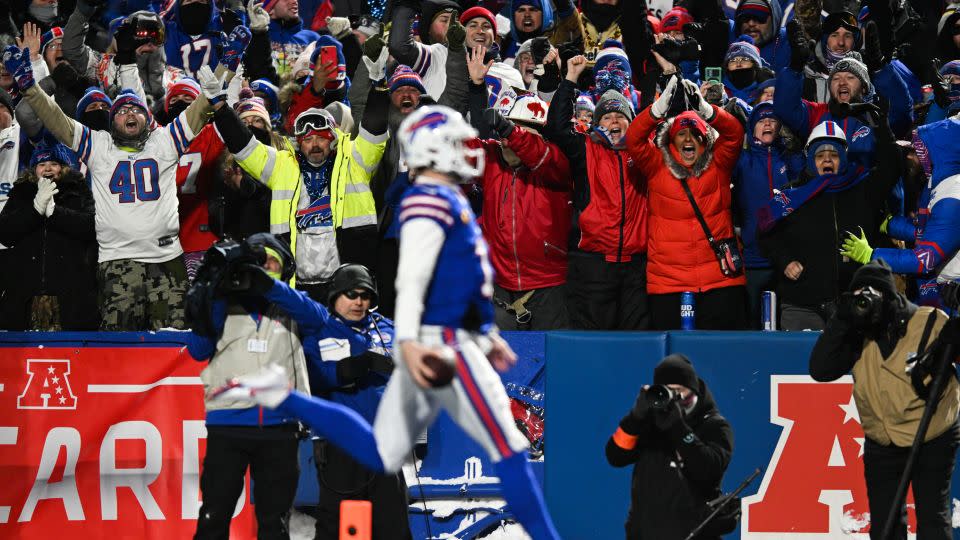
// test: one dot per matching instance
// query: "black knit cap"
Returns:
(876, 274)
(676, 369)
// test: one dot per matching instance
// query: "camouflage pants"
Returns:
(142, 296)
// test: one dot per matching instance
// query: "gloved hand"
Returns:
(46, 189)
(872, 52)
(456, 35)
(376, 68)
(373, 45)
(256, 276)
(886, 224)
(259, 18)
(919, 368)
(213, 88)
(67, 78)
(539, 48)
(338, 26)
(233, 45)
(871, 114)
(857, 248)
(498, 124)
(267, 388)
(352, 368)
(662, 104)
(670, 419)
(800, 49)
(126, 44)
(88, 7)
(698, 104)
(17, 63)
(51, 206)
(641, 407)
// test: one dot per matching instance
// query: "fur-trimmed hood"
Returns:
(677, 169)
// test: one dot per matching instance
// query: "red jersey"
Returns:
(196, 172)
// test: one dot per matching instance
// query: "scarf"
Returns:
(787, 200)
(317, 179)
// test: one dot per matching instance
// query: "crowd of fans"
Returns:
(626, 160)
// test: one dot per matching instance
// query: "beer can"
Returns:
(768, 310)
(687, 306)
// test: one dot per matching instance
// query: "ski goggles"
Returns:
(312, 122)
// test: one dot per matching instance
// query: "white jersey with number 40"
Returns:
(135, 192)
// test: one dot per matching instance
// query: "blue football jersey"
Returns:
(460, 292)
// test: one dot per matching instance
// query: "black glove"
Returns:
(539, 48)
(941, 88)
(950, 294)
(641, 407)
(868, 113)
(352, 368)
(498, 124)
(88, 7)
(66, 77)
(249, 279)
(674, 51)
(694, 30)
(839, 110)
(670, 419)
(373, 46)
(550, 80)
(800, 49)
(126, 44)
(920, 368)
(872, 52)
(456, 35)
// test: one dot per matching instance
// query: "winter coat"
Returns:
(679, 256)
(288, 40)
(813, 233)
(675, 473)
(526, 212)
(802, 116)
(54, 255)
(776, 52)
(609, 192)
(760, 169)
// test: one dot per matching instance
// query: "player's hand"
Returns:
(267, 388)
(423, 362)
(501, 356)
(17, 62)
(213, 87)
(259, 18)
(233, 46)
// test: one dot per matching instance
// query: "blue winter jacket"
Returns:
(776, 53)
(801, 116)
(759, 170)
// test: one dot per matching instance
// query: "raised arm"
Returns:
(402, 45)
(455, 93)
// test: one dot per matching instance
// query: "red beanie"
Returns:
(477, 11)
(689, 119)
(675, 19)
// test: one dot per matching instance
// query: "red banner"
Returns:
(103, 442)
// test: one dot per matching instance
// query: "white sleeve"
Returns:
(129, 77)
(421, 240)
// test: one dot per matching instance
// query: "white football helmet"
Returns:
(434, 137)
(827, 130)
(528, 109)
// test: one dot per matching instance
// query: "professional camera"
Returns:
(864, 308)
(660, 396)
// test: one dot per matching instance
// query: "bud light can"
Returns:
(768, 310)
(686, 311)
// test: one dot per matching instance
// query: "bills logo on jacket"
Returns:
(813, 486)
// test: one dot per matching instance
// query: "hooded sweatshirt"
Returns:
(775, 51)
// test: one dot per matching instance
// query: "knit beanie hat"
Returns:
(852, 64)
(584, 103)
(268, 5)
(675, 19)
(271, 92)
(762, 111)
(839, 19)
(523, 49)
(744, 47)
(759, 9)
(46, 151)
(92, 95)
(404, 76)
(252, 107)
(129, 97)
(186, 86)
(951, 68)
(479, 11)
(677, 369)
(612, 101)
(689, 119)
(47, 38)
(876, 274)
(613, 55)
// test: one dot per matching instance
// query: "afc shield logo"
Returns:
(48, 386)
(813, 486)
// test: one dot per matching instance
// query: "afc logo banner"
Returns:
(813, 486)
(48, 386)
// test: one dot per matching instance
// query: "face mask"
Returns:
(98, 120)
(176, 109)
(741, 78)
(194, 17)
(274, 275)
(44, 14)
(261, 135)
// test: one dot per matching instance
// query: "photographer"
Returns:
(680, 446)
(876, 335)
(248, 333)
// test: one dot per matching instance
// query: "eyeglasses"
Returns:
(363, 295)
(740, 60)
(313, 122)
(130, 109)
(754, 17)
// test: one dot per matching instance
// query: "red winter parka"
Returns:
(679, 256)
(526, 212)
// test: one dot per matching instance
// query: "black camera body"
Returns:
(863, 309)
(660, 396)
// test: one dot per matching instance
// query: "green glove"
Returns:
(885, 224)
(857, 248)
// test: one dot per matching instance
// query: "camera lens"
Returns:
(659, 396)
